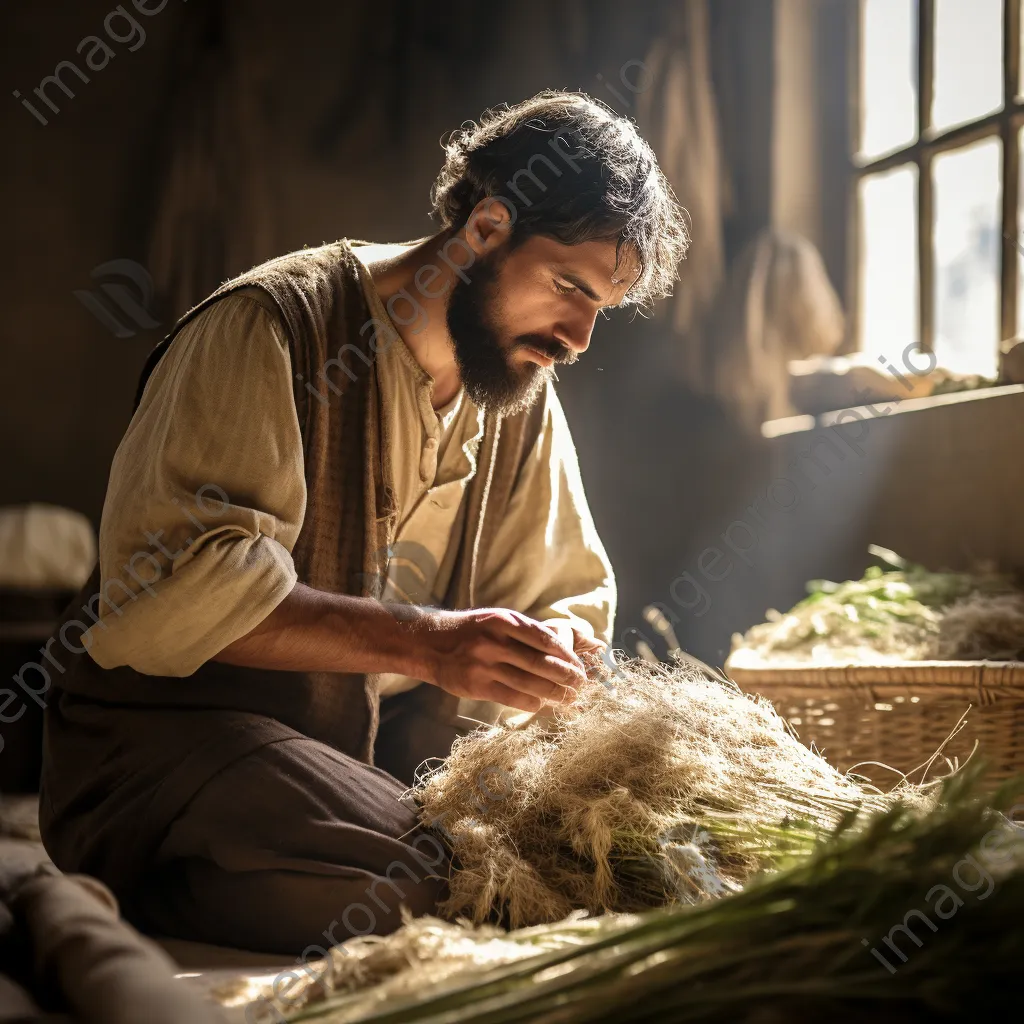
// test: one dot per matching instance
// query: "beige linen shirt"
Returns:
(207, 496)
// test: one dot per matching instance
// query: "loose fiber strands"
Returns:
(794, 946)
(658, 785)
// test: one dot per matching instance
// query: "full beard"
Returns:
(485, 367)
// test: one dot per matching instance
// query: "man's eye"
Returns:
(564, 289)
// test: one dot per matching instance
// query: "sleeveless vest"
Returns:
(125, 751)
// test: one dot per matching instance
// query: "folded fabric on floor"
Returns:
(65, 949)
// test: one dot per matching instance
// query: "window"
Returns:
(936, 169)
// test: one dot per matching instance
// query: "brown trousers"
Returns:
(295, 846)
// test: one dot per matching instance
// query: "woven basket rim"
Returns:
(933, 676)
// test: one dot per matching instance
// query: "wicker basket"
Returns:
(900, 715)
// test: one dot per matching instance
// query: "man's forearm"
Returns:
(485, 654)
(312, 631)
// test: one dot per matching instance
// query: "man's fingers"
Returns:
(528, 683)
(586, 644)
(538, 636)
(580, 641)
(555, 669)
(501, 694)
(562, 631)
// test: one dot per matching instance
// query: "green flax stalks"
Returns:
(794, 946)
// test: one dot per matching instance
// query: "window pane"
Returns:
(888, 75)
(888, 270)
(967, 243)
(1020, 73)
(968, 60)
(1019, 240)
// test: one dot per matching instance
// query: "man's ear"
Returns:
(489, 225)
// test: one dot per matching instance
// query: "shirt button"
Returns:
(431, 443)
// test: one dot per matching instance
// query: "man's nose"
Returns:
(575, 334)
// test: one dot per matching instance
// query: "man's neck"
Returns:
(413, 282)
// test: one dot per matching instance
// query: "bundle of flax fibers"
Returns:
(659, 784)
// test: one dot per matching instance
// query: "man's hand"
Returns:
(498, 655)
(577, 641)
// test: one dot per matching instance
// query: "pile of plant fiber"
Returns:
(937, 895)
(896, 613)
(982, 626)
(658, 785)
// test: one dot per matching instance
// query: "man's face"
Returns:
(526, 311)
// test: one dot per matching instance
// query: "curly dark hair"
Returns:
(524, 154)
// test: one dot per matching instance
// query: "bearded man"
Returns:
(347, 499)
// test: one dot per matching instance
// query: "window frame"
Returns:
(929, 142)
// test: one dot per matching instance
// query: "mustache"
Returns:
(553, 349)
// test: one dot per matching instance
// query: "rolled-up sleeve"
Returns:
(547, 559)
(206, 497)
